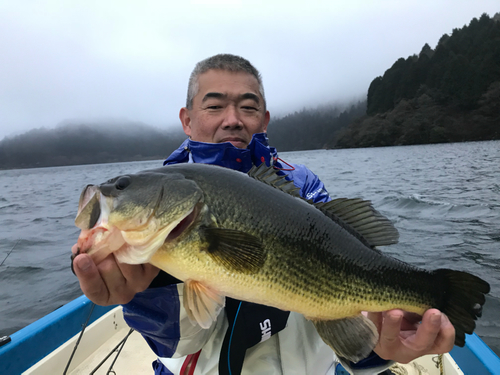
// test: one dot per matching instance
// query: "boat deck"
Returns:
(105, 334)
(99, 349)
(135, 357)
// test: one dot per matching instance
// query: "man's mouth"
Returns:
(235, 141)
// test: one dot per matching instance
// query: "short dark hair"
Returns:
(227, 62)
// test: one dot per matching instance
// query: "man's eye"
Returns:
(213, 107)
(249, 108)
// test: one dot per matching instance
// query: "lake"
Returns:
(444, 199)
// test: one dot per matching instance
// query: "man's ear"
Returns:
(185, 120)
(267, 117)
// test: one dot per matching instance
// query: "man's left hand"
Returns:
(405, 336)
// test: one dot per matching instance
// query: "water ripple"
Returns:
(444, 200)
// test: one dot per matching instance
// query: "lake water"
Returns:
(444, 199)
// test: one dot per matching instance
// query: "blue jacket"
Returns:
(155, 312)
(257, 152)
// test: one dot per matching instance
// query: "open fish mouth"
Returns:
(89, 208)
(89, 211)
(92, 219)
(99, 237)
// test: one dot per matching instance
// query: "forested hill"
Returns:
(447, 94)
(312, 128)
(87, 144)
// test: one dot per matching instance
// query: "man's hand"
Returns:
(110, 282)
(403, 339)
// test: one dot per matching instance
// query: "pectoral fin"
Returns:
(235, 250)
(350, 338)
(201, 303)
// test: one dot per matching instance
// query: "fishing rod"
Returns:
(6, 339)
(11, 250)
(118, 348)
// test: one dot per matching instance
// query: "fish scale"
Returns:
(280, 217)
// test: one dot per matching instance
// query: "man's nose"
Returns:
(232, 118)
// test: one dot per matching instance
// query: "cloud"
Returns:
(125, 59)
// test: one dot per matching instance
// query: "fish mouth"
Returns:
(92, 219)
(102, 238)
(89, 211)
(89, 208)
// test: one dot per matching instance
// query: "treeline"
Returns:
(312, 129)
(74, 144)
(449, 94)
(458, 72)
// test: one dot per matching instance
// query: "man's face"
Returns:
(227, 108)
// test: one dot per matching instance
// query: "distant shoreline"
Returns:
(162, 158)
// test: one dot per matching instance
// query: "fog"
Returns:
(130, 61)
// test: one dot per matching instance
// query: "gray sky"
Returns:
(93, 60)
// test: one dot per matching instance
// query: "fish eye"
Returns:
(122, 182)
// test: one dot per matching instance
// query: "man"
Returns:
(225, 119)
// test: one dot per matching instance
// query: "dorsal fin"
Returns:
(356, 215)
(359, 214)
(269, 176)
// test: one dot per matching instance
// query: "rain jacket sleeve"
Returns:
(311, 187)
(157, 313)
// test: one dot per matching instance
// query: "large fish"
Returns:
(224, 233)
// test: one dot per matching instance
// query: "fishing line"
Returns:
(11, 250)
(231, 339)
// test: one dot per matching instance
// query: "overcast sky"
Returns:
(92, 60)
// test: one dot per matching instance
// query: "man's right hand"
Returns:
(110, 282)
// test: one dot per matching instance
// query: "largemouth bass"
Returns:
(224, 233)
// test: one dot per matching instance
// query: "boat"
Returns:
(83, 338)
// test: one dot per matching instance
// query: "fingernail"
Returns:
(395, 318)
(84, 263)
(435, 318)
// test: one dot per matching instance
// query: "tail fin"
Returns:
(462, 300)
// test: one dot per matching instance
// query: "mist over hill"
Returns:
(87, 143)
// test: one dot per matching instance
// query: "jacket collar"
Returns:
(225, 154)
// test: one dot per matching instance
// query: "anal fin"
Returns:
(202, 304)
(350, 338)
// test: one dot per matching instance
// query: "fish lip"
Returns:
(89, 207)
(85, 197)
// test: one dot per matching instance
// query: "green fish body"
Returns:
(224, 233)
